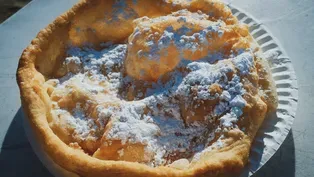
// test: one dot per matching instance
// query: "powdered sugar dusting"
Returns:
(169, 117)
(182, 38)
(162, 128)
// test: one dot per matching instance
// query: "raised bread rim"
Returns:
(226, 162)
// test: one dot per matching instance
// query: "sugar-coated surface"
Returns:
(155, 117)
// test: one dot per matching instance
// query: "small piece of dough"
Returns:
(117, 150)
(157, 45)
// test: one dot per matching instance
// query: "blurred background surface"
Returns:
(9, 7)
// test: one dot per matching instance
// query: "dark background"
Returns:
(9, 7)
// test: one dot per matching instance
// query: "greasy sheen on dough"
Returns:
(95, 22)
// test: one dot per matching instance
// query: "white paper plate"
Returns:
(275, 127)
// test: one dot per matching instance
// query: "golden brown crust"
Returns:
(42, 59)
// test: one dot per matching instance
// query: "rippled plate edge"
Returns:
(275, 127)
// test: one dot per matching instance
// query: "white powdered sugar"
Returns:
(83, 126)
(157, 114)
(243, 62)
(183, 38)
(130, 125)
(156, 121)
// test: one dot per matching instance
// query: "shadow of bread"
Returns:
(17, 157)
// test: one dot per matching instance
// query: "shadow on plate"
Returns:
(282, 164)
(16, 156)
